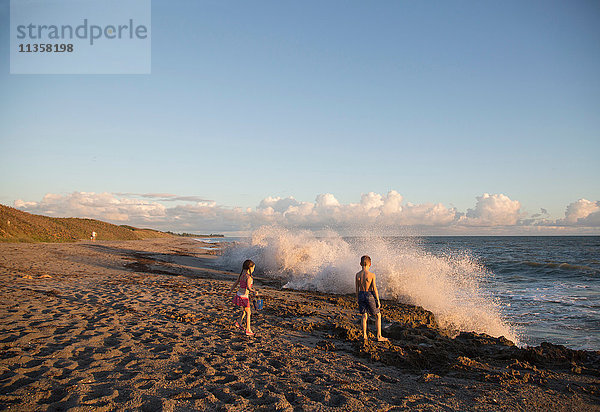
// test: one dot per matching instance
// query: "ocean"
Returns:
(528, 289)
(547, 287)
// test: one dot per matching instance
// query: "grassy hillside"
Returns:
(19, 226)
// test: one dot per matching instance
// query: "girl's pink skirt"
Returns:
(241, 301)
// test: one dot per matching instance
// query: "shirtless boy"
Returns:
(368, 297)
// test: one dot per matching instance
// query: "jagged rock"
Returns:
(548, 354)
(408, 315)
(480, 339)
(325, 345)
(428, 377)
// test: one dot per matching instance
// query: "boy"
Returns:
(368, 297)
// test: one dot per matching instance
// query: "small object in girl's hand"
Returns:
(258, 304)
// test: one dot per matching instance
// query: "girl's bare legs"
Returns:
(247, 313)
(241, 322)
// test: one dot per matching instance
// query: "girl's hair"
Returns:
(246, 266)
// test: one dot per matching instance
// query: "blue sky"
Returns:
(439, 101)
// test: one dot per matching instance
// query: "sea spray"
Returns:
(448, 285)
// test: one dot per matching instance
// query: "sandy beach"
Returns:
(148, 325)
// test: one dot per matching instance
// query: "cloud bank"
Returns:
(491, 213)
(582, 213)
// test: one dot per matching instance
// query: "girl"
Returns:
(241, 298)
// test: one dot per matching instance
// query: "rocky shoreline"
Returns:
(148, 325)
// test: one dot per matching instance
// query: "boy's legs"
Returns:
(364, 325)
(380, 338)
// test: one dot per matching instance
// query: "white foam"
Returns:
(448, 286)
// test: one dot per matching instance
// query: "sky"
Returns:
(470, 117)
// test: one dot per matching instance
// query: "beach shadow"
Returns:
(175, 263)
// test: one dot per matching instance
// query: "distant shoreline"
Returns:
(194, 235)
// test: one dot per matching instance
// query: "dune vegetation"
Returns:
(19, 226)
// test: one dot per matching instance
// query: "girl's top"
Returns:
(245, 284)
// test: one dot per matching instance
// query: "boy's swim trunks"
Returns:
(366, 303)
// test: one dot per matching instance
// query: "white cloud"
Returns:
(165, 197)
(581, 213)
(392, 204)
(493, 210)
(373, 208)
(327, 201)
(427, 214)
(91, 205)
(278, 204)
(492, 213)
(371, 200)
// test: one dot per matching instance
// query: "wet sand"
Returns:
(148, 325)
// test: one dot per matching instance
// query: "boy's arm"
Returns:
(376, 292)
(356, 284)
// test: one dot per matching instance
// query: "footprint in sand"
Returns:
(174, 375)
(276, 363)
(33, 363)
(56, 395)
(112, 340)
(37, 373)
(16, 384)
(100, 395)
(146, 385)
(225, 379)
(387, 379)
(223, 395)
(337, 399)
(151, 403)
(308, 378)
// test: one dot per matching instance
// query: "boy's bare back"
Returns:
(364, 280)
